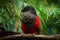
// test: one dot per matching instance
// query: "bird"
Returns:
(30, 22)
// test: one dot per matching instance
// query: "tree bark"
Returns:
(30, 37)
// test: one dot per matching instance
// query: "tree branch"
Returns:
(30, 36)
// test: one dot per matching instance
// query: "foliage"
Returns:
(10, 13)
(47, 10)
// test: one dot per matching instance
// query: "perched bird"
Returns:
(30, 23)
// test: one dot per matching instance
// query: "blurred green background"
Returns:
(47, 10)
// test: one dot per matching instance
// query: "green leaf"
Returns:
(1, 19)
